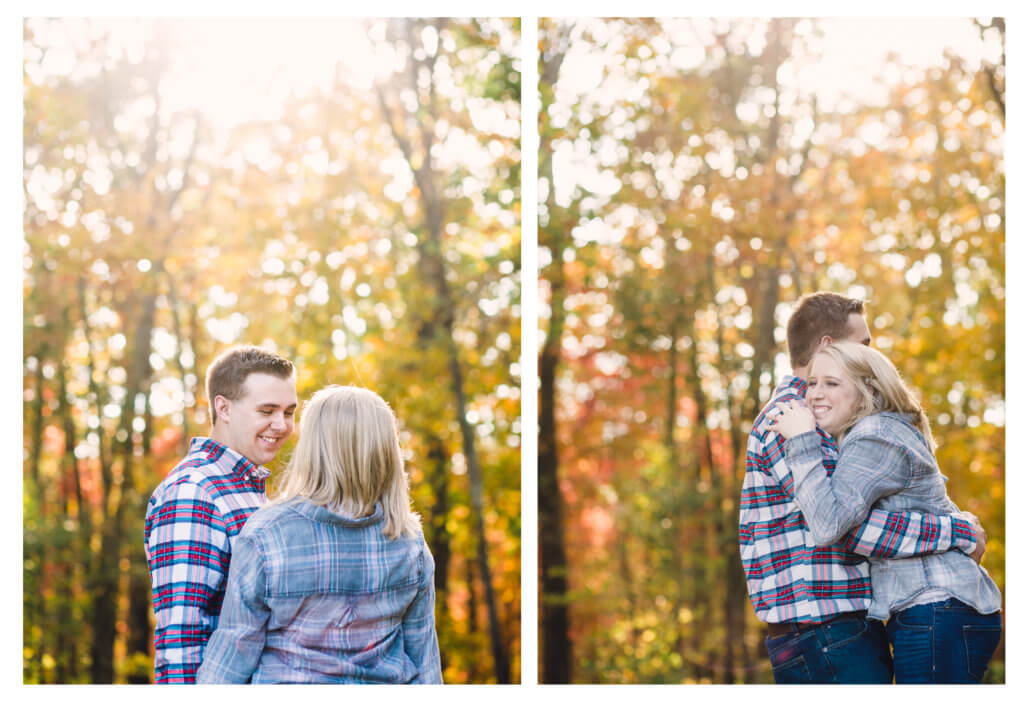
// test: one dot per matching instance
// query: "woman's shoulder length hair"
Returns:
(879, 383)
(348, 459)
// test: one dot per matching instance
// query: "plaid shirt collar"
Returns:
(797, 384)
(791, 384)
(241, 466)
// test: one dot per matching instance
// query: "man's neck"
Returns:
(801, 372)
(222, 437)
(217, 433)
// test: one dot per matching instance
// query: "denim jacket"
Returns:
(884, 461)
(315, 597)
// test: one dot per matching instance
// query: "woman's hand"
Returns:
(791, 419)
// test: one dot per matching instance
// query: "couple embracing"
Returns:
(330, 581)
(856, 559)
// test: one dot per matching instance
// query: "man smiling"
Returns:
(202, 504)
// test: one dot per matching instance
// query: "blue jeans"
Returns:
(946, 642)
(849, 651)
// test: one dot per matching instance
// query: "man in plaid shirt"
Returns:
(195, 514)
(814, 599)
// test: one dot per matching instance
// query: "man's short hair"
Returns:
(228, 371)
(817, 315)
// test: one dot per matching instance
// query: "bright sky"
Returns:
(853, 52)
(240, 69)
(855, 48)
(244, 69)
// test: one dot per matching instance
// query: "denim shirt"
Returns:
(314, 597)
(885, 462)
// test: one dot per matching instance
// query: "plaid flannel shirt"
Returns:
(791, 578)
(192, 520)
(315, 597)
(885, 460)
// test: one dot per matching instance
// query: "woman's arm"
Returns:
(418, 628)
(882, 534)
(870, 466)
(236, 645)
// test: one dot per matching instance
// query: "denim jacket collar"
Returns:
(311, 511)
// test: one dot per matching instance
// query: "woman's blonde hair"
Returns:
(879, 383)
(348, 459)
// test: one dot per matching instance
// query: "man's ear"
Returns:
(825, 341)
(222, 406)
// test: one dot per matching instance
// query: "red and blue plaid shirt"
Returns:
(193, 517)
(789, 577)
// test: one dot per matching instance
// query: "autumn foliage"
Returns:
(694, 188)
(370, 234)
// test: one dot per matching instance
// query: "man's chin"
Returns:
(266, 456)
(260, 456)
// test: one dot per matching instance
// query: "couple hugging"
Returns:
(862, 567)
(330, 581)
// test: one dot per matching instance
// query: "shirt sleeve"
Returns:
(188, 547)
(418, 628)
(869, 468)
(236, 646)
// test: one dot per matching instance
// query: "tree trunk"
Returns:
(38, 420)
(67, 642)
(35, 547)
(432, 270)
(440, 541)
(139, 585)
(556, 645)
(501, 661)
(102, 573)
(107, 578)
(735, 577)
(682, 481)
(706, 526)
(474, 614)
(172, 302)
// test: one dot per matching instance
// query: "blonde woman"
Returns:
(942, 608)
(332, 582)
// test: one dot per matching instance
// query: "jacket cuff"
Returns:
(803, 454)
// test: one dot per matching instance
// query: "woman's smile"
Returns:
(831, 394)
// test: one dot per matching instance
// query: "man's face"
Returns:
(258, 422)
(857, 330)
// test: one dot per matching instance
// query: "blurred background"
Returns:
(696, 177)
(344, 192)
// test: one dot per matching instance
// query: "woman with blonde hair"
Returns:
(332, 582)
(942, 608)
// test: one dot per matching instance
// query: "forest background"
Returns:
(696, 177)
(366, 227)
